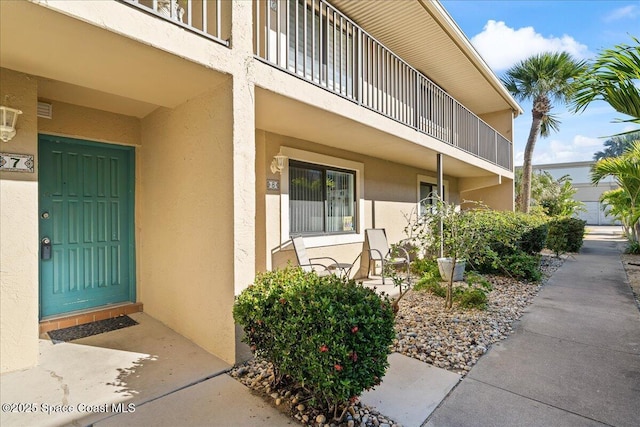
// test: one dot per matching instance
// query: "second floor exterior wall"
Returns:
(309, 39)
(316, 42)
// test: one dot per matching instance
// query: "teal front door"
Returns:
(86, 224)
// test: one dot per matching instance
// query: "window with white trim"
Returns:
(427, 191)
(322, 199)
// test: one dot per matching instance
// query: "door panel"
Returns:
(86, 210)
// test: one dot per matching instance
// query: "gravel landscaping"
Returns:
(453, 340)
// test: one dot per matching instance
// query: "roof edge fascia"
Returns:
(439, 13)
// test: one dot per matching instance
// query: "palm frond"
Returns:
(610, 78)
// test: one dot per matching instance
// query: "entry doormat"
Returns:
(89, 329)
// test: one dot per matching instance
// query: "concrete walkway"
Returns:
(128, 373)
(149, 375)
(574, 359)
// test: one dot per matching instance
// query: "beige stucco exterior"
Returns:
(19, 228)
(205, 120)
(185, 215)
(389, 199)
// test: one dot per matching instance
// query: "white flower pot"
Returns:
(445, 265)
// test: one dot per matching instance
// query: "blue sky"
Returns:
(506, 31)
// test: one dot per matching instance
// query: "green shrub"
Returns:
(534, 239)
(633, 248)
(431, 284)
(422, 266)
(327, 334)
(477, 280)
(507, 234)
(471, 298)
(565, 235)
(523, 266)
(474, 295)
(426, 268)
(509, 244)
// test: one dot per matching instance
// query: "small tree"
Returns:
(555, 197)
(625, 170)
(459, 239)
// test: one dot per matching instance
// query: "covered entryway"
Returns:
(86, 202)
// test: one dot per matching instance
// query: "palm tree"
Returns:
(541, 78)
(625, 170)
(617, 145)
(612, 78)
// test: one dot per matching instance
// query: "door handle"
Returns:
(45, 248)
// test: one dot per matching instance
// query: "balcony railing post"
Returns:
(477, 153)
(359, 78)
(218, 19)
(256, 28)
(267, 12)
(454, 126)
(416, 112)
(278, 35)
(204, 17)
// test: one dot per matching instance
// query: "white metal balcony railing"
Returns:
(203, 17)
(315, 41)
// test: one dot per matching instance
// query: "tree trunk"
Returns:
(525, 188)
(448, 302)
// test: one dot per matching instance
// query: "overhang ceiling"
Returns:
(274, 114)
(86, 65)
(423, 34)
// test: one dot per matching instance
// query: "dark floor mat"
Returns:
(88, 329)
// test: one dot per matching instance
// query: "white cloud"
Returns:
(630, 11)
(581, 148)
(502, 46)
(580, 141)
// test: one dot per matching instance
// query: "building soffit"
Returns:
(79, 62)
(423, 34)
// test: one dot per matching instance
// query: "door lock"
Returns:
(45, 248)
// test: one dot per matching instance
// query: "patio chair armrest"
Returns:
(401, 243)
(406, 253)
(324, 257)
(382, 257)
(312, 264)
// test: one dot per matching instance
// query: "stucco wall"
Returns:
(502, 121)
(390, 196)
(19, 231)
(499, 197)
(185, 250)
(90, 124)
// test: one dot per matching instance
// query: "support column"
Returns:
(440, 194)
(244, 149)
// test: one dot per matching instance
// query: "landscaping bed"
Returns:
(453, 340)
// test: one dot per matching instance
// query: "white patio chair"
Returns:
(379, 250)
(311, 264)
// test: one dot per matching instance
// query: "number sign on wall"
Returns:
(16, 162)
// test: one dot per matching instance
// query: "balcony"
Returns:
(314, 41)
(204, 17)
